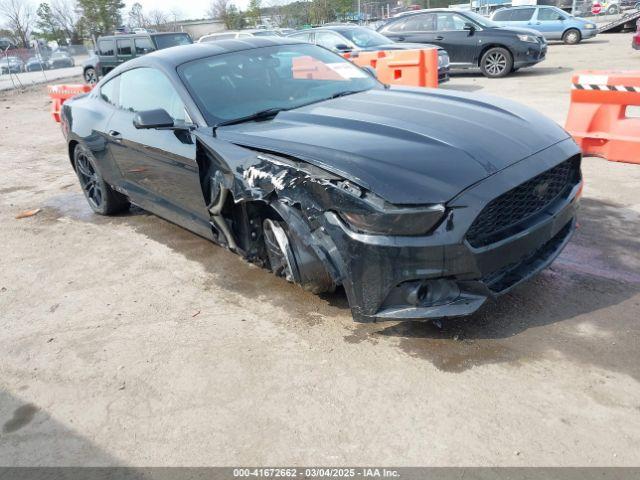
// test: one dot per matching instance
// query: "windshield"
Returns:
(236, 85)
(364, 37)
(480, 20)
(172, 40)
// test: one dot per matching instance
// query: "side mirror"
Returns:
(153, 119)
(470, 27)
(370, 70)
(342, 47)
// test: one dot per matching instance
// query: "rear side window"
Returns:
(522, 14)
(124, 47)
(143, 46)
(503, 15)
(329, 40)
(106, 47)
(108, 92)
(148, 89)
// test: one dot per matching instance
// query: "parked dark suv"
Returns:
(113, 50)
(470, 40)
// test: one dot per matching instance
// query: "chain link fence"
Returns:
(20, 67)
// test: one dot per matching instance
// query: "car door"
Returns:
(455, 37)
(549, 22)
(159, 166)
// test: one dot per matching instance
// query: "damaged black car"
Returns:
(420, 203)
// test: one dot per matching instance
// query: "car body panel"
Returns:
(407, 137)
(465, 48)
(549, 21)
(379, 151)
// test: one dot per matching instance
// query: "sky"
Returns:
(188, 8)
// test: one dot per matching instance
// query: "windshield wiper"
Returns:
(261, 115)
(344, 94)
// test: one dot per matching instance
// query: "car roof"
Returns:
(170, 58)
(139, 35)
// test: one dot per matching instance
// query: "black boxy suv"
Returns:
(113, 50)
(471, 40)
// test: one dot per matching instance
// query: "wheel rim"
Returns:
(278, 250)
(573, 37)
(89, 180)
(90, 76)
(495, 63)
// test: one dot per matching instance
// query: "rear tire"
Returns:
(571, 36)
(496, 62)
(102, 199)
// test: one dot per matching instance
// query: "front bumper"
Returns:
(531, 54)
(587, 33)
(381, 272)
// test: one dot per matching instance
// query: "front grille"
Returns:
(507, 214)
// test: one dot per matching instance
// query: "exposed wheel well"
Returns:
(72, 148)
(489, 47)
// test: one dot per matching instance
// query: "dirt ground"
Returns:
(129, 341)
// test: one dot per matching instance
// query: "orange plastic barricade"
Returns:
(61, 93)
(366, 59)
(598, 119)
(415, 68)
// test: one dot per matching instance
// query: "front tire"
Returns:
(102, 199)
(90, 76)
(496, 62)
(571, 36)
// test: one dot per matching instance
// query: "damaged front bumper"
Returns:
(442, 275)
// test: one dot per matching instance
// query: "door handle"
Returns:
(401, 39)
(439, 37)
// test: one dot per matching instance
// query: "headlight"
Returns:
(443, 60)
(590, 26)
(408, 221)
(527, 38)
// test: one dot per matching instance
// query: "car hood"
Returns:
(409, 146)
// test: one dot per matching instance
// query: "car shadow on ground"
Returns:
(524, 72)
(583, 296)
(581, 307)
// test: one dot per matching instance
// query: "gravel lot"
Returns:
(129, 341)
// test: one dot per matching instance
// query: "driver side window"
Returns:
(329, 40)
(148, 89)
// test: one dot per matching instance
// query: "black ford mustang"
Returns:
(420, 203)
